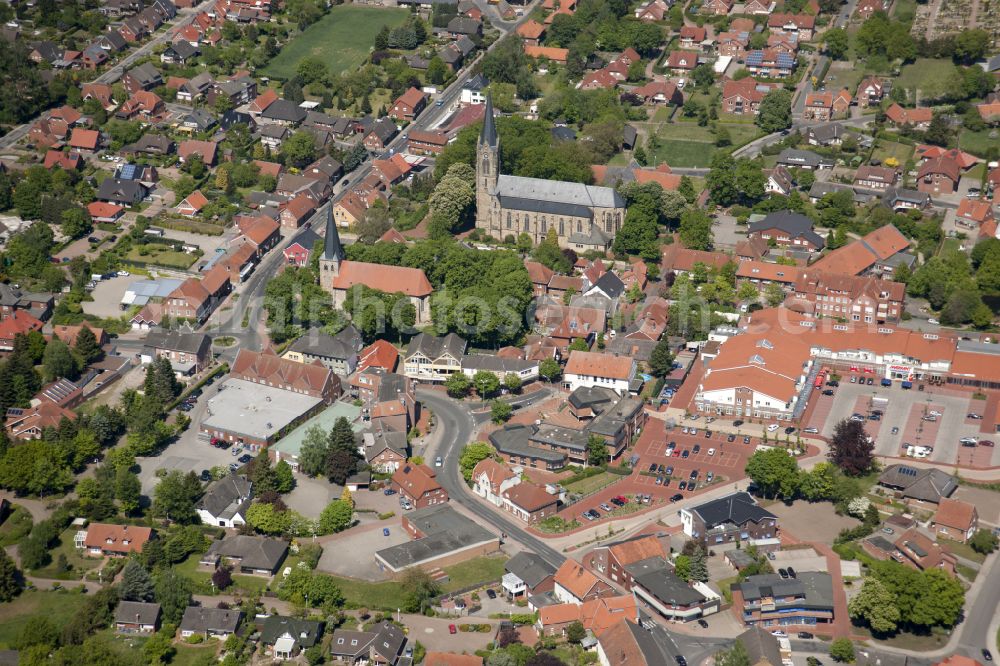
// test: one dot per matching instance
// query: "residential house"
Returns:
(744, 96)
(409, 105)
(531, 31)
(143, 77)
(383, 645)
(206, 150)
(731, 519)
(974, 213)
(787, 229)
(463, 25)
(717, 7)
(490, 478)
(656, 585)
(85, 139)
(431, 358)
(798, 25)
(919, 118)
(652, 10)
(137, 617)
(872, 89)
(67, 161)
(803, 159)
(866, 8)
(928, 486)
(297, 212)
(659, 92)
(188, 351)
(220, 623)
(682, 63)
(104, 539)
(248, 554)
(526, 575)
(917, 550)
(779, 181)
(338, 352)
(385, 450)
(380, 134)
(849, 297)
(555, 54)
(591, 369)
(226, 501)
(31, 422)
(573, 584)
(732, 44)
(955, 519)
(265, 367)
(875, 178)
(283, 112)
(596, 615)
(819, 106)
(105, 213)
(420, 142)
(380, 354)
(691, 36)
(939, 176)
(829, 134)
(285, 637)
(419, 486)
(125, 193)
(261, 232)
(529, 502)
(191, 205)
(612, 559)
(770, 63)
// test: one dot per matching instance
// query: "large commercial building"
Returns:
(256, 416)
(441, 536)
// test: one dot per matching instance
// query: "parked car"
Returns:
(987, 655)
(888, 530)
(746, 439)
(659, 480)
(491, 593)
(772, 427)
(676, 497)
(205, 475)
(789, 430)
(452, 629)
(616, 501)
(388, 491)
(827, 392)
(854, 379)
(652, 467)
(606, 506)
(791, 572)
(871, 380)
(709, 477)
(737, 423)
(684, 454)
(702, 623)
(986, 442)
(811, 431)
(385, 531)
(976, 417)
(731, 438)
(682, 485)
(438, 461)
(696, 449)
(895, 430)
(805, 635)
(783, 573)
(694, 474)
(670, 471)
(233, 467)
(245, 458)
(622, 499)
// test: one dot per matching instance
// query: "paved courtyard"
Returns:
(108, 296)
(811, 522)
(352, 553)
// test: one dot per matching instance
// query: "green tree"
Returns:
(312, 456)
(285, 479)
(661, 359)
(512, 382)
(775, 472)
(267, 519)
(875, 606)
(549, 369)
(86, 345)
(263, 475)
(159, 648)
(837, 43)
(851, 449)
(941, 602)
(842, 650)
(336, 517)
(450, 204)
(76, 222)
(818, 483)
(173, 593)
(175, 495)
(486, 383)
(734, 656)
(58, 361)
(774, 295)
(419, 589)
(575, 632)
(597, 451)
(471, 455)
(299, 149)
(983, 541)
(137, 584)
(11, 581)
(696, 230)
(775, 112)
(682, 567)
(578, 344)
(500, 411)
(457, 385)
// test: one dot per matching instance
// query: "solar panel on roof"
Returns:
(128, 172)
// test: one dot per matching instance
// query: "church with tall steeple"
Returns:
(339, 276)
(584, 217)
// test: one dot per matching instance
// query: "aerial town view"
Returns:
(499, 332)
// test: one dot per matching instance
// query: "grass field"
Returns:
(161, 256)
(473, 572)
(977, 142)
(592, 483)
(886, 149)
(962, 550)
(342, 39)
(16, 527)
(202, 578)
(929, 75)
(679, 153)
(58, 607)
(78, 564)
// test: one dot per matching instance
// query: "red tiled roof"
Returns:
(900, 116)
(539, 273)
(944, 166)
(575, 579)
(121, 539)
(682, 60)
(975, 210)
(84, 138)
(206, 149)
(955, 513)
(258, 229)
(63, 160)
(18, 321)
(693, 33)
(103, 210)
(379, 354)
(264, 100)
(529, 497)
(531, 29)
(416, 480)
(451, 659)
(593, 364)
(389, 279)
(411, 97)
(267, 368)
(550, 52)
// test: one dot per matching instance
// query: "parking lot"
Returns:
(108, 296)
(361, 542)
(919, 418)
(726, 464)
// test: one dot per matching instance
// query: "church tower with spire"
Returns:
(333, 253)
(487, 169)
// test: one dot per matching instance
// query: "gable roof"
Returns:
(226, 496)
(138, 612)
(595, 364)
(266, 367)
(794, 224)
(636, 549)
(530, 568)
(575, 579)
(389, 279)
(117, 538)
(928, 485)
(737, 509)
(955, 513)
(254, 552)
(217, 620)
(416, 480)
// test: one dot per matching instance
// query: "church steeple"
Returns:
(489, 136)
(333, 252)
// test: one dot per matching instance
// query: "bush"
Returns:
(387, 515)
(194, 639)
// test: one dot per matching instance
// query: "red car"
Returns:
(452, 629)
(622, 499)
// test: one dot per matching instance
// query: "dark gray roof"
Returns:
(254, 552)
(200, 118)
(610, 284)
(282, 109)
(928, 485)
(385, 439)
(332, 249)
(350, 643)
(488, 135)
(49, 51)
(737, 509)
(530, 568)
(465, 45)
(563, 133)
(629, 135)
(217, 620)
(516, 440)
(114, 39)
(553, 435)
(554, 196)
(445, 531)
(895, 194)
(306, 633)
(464, 26)
(794, 224)
(826, 132)
(597, 398)
(227, 496)
(234, 117)
(803, 158)
(811, 589)
(137, 612)
(123, 191)
(433, 346)
(340, 347)
(477, 82)
(762, 646)
(156, 142)
(656, 577)
(183, 50)
(188, 342)
(389, 640)
(383, 128)
(496, 363)
(146, 74)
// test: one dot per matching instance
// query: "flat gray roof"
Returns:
(254, 410)
(447, 532)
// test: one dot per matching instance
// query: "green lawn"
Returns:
(962, 550)
(929, 75)
(58, 607)
(473, 572)
(977, 142)
(78, 563)
(16, 527)
(202, 578)
(161, 256)
(905, 10)
(592, 483)
(886, 149)
(679, 153)
(342, 39)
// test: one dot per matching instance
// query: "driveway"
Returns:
(108, 296)
(432, 632)
(310, 496)
(727, 232)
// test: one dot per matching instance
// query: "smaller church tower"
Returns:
(333, 253)
(487, 167)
